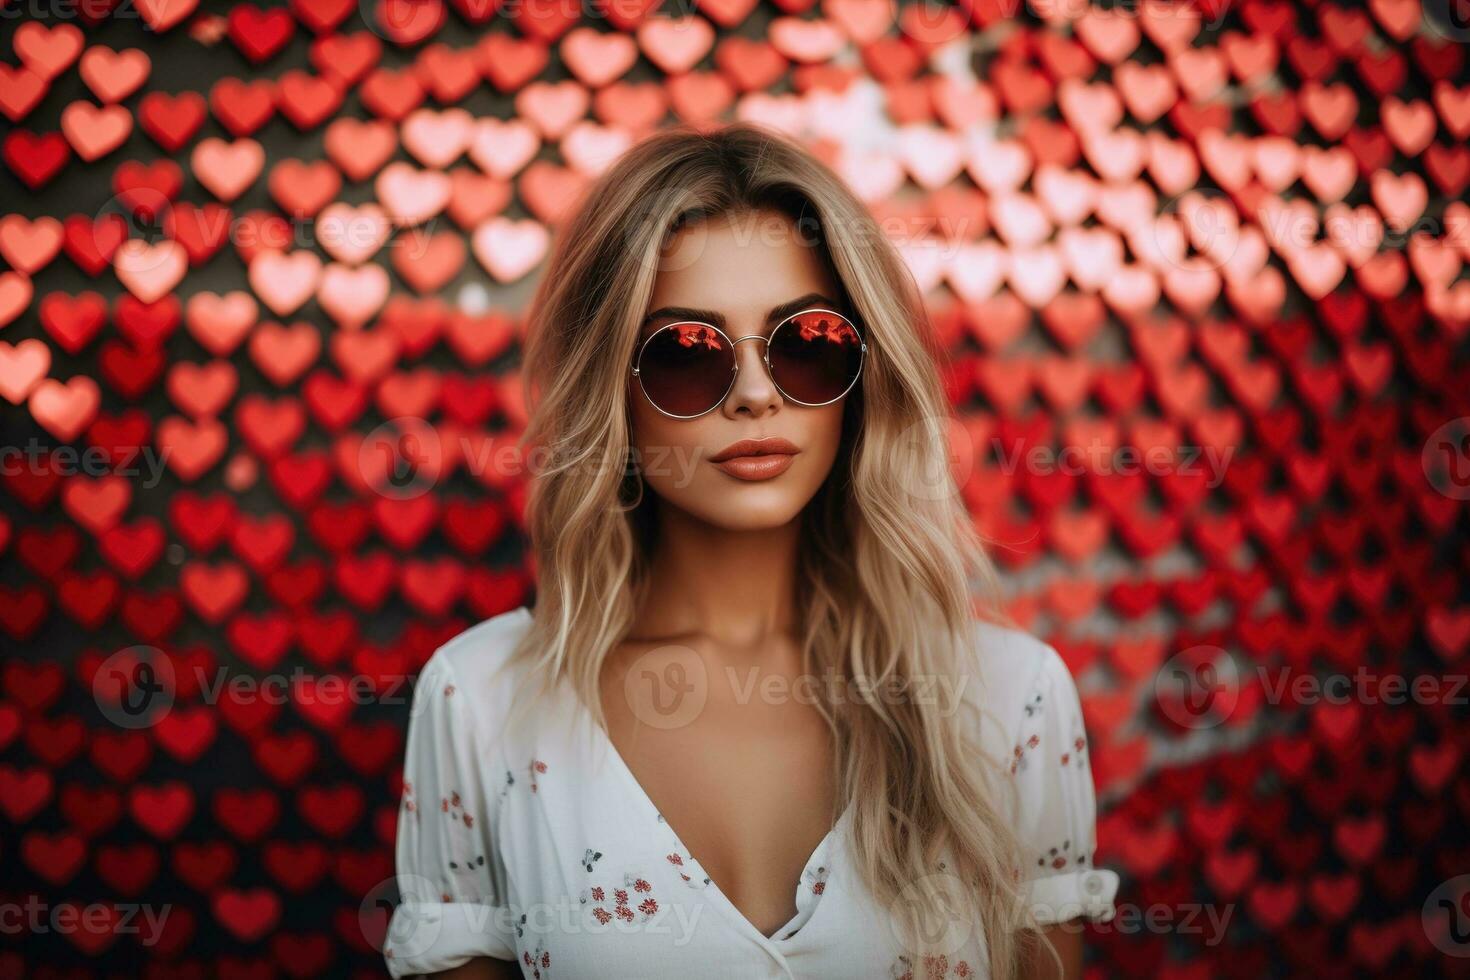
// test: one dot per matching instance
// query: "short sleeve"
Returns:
(451, 879)
(1050, 763)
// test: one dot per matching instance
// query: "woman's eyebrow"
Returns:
(776, 314)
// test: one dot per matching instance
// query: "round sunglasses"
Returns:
(687, 368)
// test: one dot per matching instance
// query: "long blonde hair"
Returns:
(890, 580)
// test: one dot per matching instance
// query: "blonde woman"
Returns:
(762, 720)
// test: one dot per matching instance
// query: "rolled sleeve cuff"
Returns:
(427, 937)
(1086, 894)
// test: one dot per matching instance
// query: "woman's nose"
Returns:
(753, 388)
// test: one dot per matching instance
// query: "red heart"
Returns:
(247, 914)
(34, 158)
(47, 51)
(346, 57)
(243, 107)
(21, 90)
(307, 100)
(322, 16)
(259, 34)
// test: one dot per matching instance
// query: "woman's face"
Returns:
(742, 268)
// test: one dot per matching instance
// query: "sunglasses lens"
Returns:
(815, 356)
(686, 368)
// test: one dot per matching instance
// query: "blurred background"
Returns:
(1198, 274)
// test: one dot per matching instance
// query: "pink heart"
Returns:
(1192, 284)
(351, 296)
(150, 272)
(999, 165)
(285, 281)
(1317, 269)
(1226, 157)
(191, 448)
(1134, 289)
(22, 367)
(1329, 173)
(791, 115)
(552, 106)
(1457, 225)
(931, 155)
(806, 41)
(1172, 163)
(1037, 275)
(65, 409)
(1117, 155)
(95, 131)
(1434, 260)
(1211, 222)
(508, 249)
(219, 323)
(1069, 196)
(1277, 161)
(15, 295)
(1019, 220)
(412, 196)
(29, 245)
(1454, 107)
(227, 169)
(976, 270)
(596, 57)
(114, 75)
(1111, 35)
(1089, 108)
(1410, 125)
(1288, 225)
(352, 235)
(502, 147)
(1202, 72)
(1356, 231)
(1241, 261)
(1092, 255)
(1258, 298)
(676, 44)
(1124, 205)
(437, 139)
(1401, 197)
(864, 21)
(591, 148)
(164, 14)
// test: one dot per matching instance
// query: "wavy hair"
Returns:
(892, 573)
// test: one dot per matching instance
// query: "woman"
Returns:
(757, 724)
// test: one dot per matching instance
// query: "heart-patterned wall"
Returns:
(1198, 268)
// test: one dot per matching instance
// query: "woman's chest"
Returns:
(751, 799)
(601, 885)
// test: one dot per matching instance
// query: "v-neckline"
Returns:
(626, 774)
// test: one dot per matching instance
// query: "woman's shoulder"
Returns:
(477, 664)
(1013, 670)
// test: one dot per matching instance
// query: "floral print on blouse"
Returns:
(537, 845)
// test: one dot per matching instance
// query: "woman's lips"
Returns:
(757, 467)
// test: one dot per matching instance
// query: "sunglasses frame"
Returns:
(765, 356)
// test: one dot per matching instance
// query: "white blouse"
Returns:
(541, 847)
